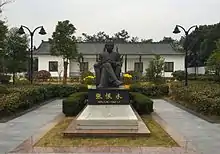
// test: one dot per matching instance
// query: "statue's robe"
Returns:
(108, 69)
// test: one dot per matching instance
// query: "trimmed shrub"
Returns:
(85, 74)
(151, 90)
(54, 79)
(144, 79)
(74, 79)
(3, 90)
(201, 97)
(204, 77)
(22, 98)
(75, 103)
(179, 75)
(4, 79)
(141, 103)
(63, 90)
(22, 81)
(42, 75)
(135, 75)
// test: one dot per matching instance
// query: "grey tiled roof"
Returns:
(123, 48)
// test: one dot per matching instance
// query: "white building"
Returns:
(197, 70)
(136, 57)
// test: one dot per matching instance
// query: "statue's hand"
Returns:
(118, 63)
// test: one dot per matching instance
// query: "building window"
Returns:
(169, 67)
(53, 66)
(138, 66)
(84, 66)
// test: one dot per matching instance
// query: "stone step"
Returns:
(109, 127)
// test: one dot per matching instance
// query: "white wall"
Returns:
(179, 63)
(91, 59)
(43, 63)
(131, 59)
(74, 66)
(198, 70)
(178, 60)
(146, 60)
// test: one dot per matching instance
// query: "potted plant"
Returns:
(89, 80)
(127, 78)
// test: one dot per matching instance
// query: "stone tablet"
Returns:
(114, 96)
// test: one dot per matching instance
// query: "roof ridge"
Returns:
(124, 48)
(43, 41)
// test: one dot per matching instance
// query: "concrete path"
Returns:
(17, 130)
(203, 135)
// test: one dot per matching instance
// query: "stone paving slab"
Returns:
(14, 132)
(28, 145)
(203, 135)
(108, 150)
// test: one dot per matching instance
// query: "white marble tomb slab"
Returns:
(107, 117)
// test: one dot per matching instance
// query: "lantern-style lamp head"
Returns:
(176, 30)
(21, 31)
(42, 31)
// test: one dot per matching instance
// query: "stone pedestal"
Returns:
(108, 114)
(107, 117)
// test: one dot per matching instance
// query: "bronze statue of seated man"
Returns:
(108, 68)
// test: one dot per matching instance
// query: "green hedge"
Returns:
(180, 75)
(3, 90)
(151, 90)
(141, 103)
(201, 97)
(74, 103)
(204, 77)
(4, 79)
(22, 98)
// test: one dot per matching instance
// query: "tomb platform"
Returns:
(107, 117)
(108, 113)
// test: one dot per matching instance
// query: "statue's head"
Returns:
(109, 47)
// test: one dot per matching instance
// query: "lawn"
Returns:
(158, 138)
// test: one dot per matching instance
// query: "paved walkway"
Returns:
(203, 135)
(17, 130)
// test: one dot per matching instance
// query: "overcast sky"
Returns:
(143, 18)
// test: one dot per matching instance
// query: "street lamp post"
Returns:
(42, 32)
(177, 31)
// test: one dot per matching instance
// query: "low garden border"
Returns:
(24, 99)
(208, 119)
(18, 114)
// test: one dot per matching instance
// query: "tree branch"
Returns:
(5, 2)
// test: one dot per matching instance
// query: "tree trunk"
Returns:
(13, 77)
(65, 72)
(13, 73)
